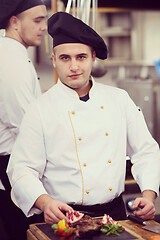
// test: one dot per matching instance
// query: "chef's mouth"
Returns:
(74, 76)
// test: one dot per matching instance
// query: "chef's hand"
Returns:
(52, 209)
(146, 205)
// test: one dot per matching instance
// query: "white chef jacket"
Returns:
(18, 87)
(76, 151)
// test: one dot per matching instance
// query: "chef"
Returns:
(24, 24)
(73, 141)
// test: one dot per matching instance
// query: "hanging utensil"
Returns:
(68, 7)
(94, 13)
(74, 8)
(86, 12)
(78, 8)
(98, 70)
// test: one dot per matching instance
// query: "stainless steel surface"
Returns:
(146, 224)
(152, 228)
(146, 95)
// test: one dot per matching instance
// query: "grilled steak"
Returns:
(87, 227)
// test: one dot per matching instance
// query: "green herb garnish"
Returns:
(109, 229)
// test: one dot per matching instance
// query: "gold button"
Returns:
(84, 164)
(79, 138)
(109, 161)
(73, 112)
(107, 134)
(110, 189)
(87, 191)
(102, 107)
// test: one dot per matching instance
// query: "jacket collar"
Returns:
(72, 93)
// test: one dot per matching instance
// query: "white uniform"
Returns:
(18, 87)
(76, 151)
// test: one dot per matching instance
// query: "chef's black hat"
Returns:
(64, 28)
(10, 8)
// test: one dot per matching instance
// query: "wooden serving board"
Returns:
(137, 230)
(43, 231)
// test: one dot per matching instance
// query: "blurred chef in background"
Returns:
(72, 146)
(24, 22)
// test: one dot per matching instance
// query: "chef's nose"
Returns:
(44, 26)
(74, 65)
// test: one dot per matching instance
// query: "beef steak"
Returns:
(87, 226)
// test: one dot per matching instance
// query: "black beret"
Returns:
(10, 8)
(64, 28)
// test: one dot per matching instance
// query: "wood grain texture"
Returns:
(136, 229)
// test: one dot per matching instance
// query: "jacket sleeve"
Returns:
(18, 89)
(142, 149)
(27, 163)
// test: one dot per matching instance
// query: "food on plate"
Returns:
(74, 216)
(107, 219)
(110, 228)
(87, 226)
(63, 228)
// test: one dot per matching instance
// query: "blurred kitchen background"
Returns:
(131, 30)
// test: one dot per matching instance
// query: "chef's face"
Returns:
(73, 62)
(31, 25)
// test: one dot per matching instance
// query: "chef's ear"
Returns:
(13, 22)
(54, 59)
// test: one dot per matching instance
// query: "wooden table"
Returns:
(135, 229)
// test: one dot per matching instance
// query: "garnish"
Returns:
(62, 228)
(74, 216)
(109, 229)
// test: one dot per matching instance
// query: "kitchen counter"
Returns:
(134, 231)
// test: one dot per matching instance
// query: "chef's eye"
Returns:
(64, 58)
(81, 57)
(37, 20)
